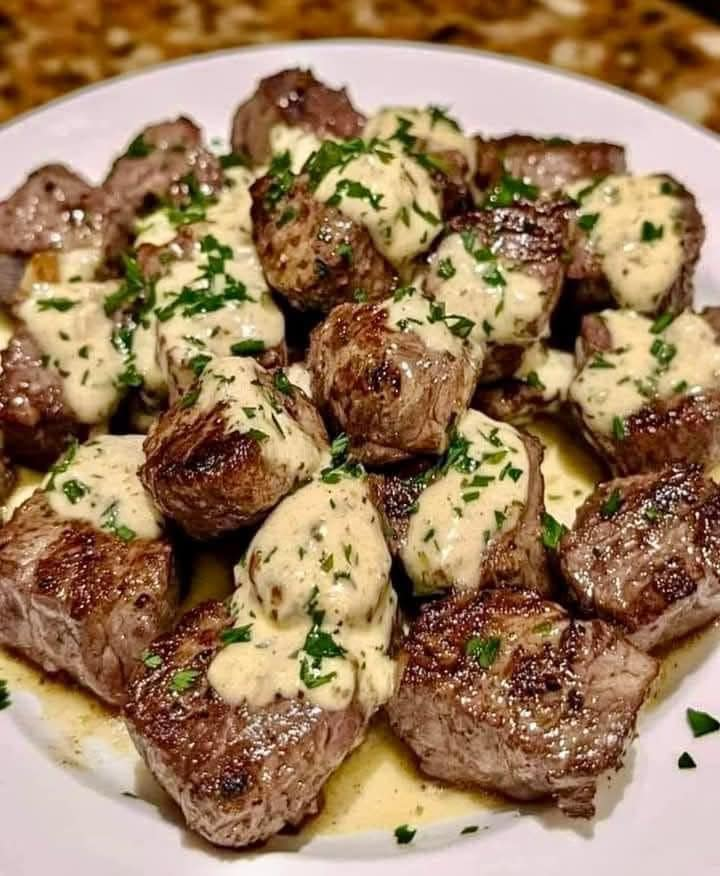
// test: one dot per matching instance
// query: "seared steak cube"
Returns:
(230, 448)
(644, 553)
(506, 692)
(388, 378)
(80, 590)
(648, 392)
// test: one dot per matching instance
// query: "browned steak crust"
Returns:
(645, 553)
(318, 257)
(516, 559)
(294, 98)
(391, 394)
(210, 477)
(158, 163)
(239, 775)
(541, 713)
(551, 164)
(76, 599)
(34, 417)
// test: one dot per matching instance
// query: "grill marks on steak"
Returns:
(386, 389)
(515, 559)
(551, 164)
(34, 416)
(682, 428)
(593, 292)
(164, 156)
(306, 258)
(212, 478)
(76, 599)
(56, 208)
(653, 565)
(239, 775)
(297, 99)
(553, 710)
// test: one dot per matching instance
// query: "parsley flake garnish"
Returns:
(483, 650)
(612, 504)
(232, 635)
(404, 834)
(552, 531)
(701, 723)
(183, 680)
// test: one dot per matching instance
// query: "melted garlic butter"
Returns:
(637, 235)
(297, 141)
(398, 205)
(168, 345)
(409, 310)
(548, 370)
(315, 593)
(257, 410)
(465, 509)
(435, 131)
(645, 362)
(98, 482)
(506, 305)
(69, 324)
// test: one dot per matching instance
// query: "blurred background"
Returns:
(667, 51)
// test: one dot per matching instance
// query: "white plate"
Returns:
(663, 820)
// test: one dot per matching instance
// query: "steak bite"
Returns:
(506, 692)
(644, 553)
(502, 270)
(86, 576)
(245, 713)
(551, 164)
(474, 519)
(358, 216)
(389, 378)
(55, 208)
(165, 160)
(637, 240)
(228, 450)
(539, 386)
(648, 393)
(292, 99)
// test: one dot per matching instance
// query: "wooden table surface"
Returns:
(655, 48)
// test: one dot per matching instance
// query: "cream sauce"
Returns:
(637, 234)
(462, 513)
(409, 310)
(69, 324)
(252, 408)
(299, 375)
(434, 130)
(315, 592)
(228, 277)
(548, 370)
(297, 141)
(392, 196)
(644, 365)
(98, 482)
(505, 304)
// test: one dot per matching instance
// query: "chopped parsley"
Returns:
(190, 397)
(508, 190)
(446, 269)
(133, 288)
(533, 380)
(183, 680)
(61, 304)
(75, 490)
(151, 660)
(251, 347)
(332, 154)
(612, 504)
(427, 215)
(459, 325)
(110, 522)
(404, 834)
(552, 531)
(282, 383)
(685, 762)
(471, 828)
(62, 465)
(439, 115)
(4, 694)
(350, 188)
(232, 635)
(139, 148)
(198, 363)
(663, 352)
(701, 723)
(483, 650)
(661, 323)
(651, 232)
(588, 221)
(599, 361)
(232, 159)
(618, 429)
(194, 209)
